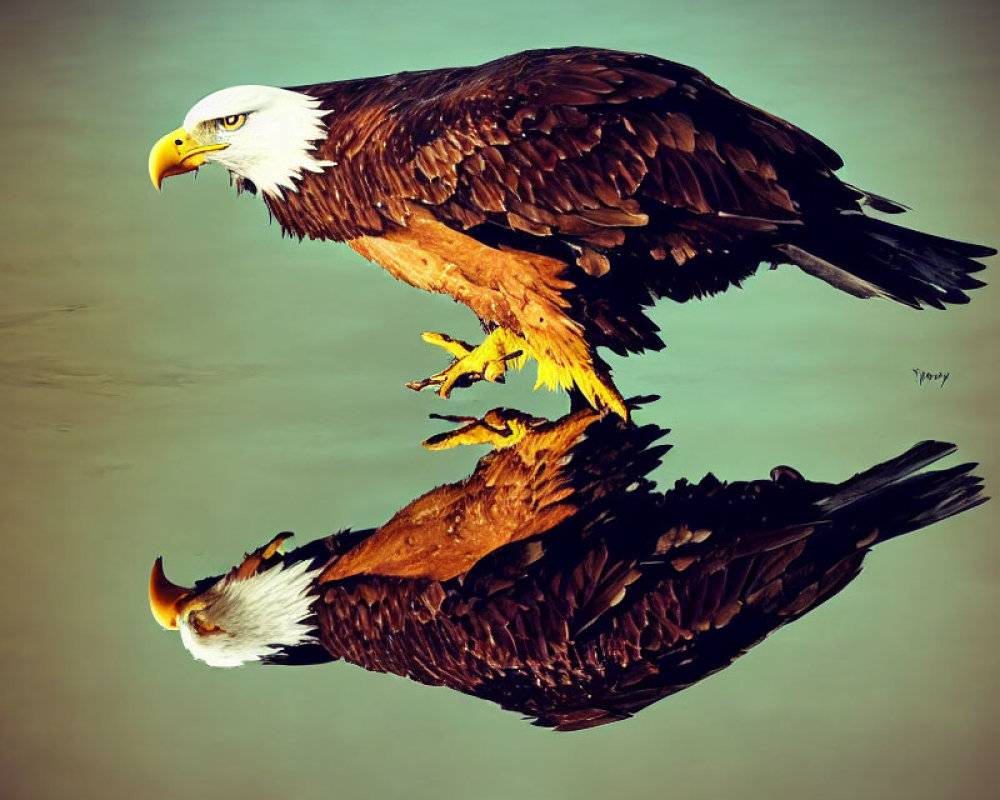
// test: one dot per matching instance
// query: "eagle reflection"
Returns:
(556, 580)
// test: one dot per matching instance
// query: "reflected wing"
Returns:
(639, 594)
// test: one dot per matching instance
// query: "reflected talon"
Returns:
(501, 427)
(453, 417)
(487, 362)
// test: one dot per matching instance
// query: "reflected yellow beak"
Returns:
(175, 154)
(165, 598)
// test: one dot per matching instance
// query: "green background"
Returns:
(176, 378)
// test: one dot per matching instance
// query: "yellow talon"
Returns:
(457, 347)
(501, 427)
(488, 362)
(503, 350)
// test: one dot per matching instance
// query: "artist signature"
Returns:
(922, 377)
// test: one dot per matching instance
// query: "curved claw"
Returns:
(501, 427)
(457, 347)
(422, 384)
(488, 362)
(453, 417)
(456, 376)
(446, 383)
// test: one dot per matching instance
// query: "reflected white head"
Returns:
(247, 619)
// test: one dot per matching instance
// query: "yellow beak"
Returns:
(165, 598)
(175, 154)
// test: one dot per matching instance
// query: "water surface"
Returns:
(176, 378)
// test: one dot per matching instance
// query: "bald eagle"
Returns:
(556, 580)
(558, 193)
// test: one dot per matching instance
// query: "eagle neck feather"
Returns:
(250, 619)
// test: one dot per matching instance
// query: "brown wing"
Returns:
(638, 594)
(578, 142)
(485, 182)
(639, 171)
(589, 627)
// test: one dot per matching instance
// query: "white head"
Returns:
(249, 614)
(246, 619)
(263, 135)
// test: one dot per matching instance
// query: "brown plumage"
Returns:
(557, 193)
(636, 177)
(557, 582)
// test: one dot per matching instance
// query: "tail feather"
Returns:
(877, 201)
(897, 498)
(868, 257)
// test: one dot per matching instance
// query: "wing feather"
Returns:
(562, 131)
(636, 594)
(620, 168)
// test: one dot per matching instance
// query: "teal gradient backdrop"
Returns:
(176, 378)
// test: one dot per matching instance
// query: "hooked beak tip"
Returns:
(164, 596)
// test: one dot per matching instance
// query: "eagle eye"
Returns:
(202, 626)
(232, 123)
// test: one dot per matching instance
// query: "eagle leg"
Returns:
(501, 427)
(567, 369)
(488, 362)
